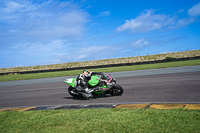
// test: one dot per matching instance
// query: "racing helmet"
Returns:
(87, 74)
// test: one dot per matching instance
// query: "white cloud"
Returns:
(147, 21)
(85, 53)
(37, 52)
(184, 22)
(17, 7)
(105, 13)
(194, 11)
(13, 7)
(140, 43)
(42, 22)
(70, 24)
(150, 21)
(36, 33)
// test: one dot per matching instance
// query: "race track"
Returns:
(168, 85)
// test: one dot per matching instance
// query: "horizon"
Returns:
(47, 32)
(108, 59)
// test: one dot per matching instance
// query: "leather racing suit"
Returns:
(82, 85)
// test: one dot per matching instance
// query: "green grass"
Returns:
(101, 120)
(106, 70)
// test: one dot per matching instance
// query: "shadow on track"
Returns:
(81, 98)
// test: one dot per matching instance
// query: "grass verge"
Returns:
(106, 70)
(101, 120)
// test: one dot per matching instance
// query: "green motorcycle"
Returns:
(100, 85)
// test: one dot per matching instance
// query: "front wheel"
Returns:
(72, 92)
(116, 90)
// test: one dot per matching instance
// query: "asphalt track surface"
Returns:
(167, 85)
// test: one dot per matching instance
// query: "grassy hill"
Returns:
(166, 56)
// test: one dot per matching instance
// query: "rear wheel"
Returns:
(116, 90)
(72, 92)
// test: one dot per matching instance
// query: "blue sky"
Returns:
(41, 32)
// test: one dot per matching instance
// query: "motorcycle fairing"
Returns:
(93, 81)
(70, 81)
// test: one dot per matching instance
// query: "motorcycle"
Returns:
(98, 84)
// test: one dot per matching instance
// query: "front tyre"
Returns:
(116, 90)
(72, 92)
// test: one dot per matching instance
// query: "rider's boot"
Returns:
(88, 95)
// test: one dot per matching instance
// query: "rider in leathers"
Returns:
(82, 83)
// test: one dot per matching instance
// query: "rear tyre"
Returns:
(72, 92)
(116, 90)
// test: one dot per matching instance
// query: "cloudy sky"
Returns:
(40, 32)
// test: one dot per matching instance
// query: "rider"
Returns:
(82, 83)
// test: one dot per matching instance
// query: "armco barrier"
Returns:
(103, 66)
